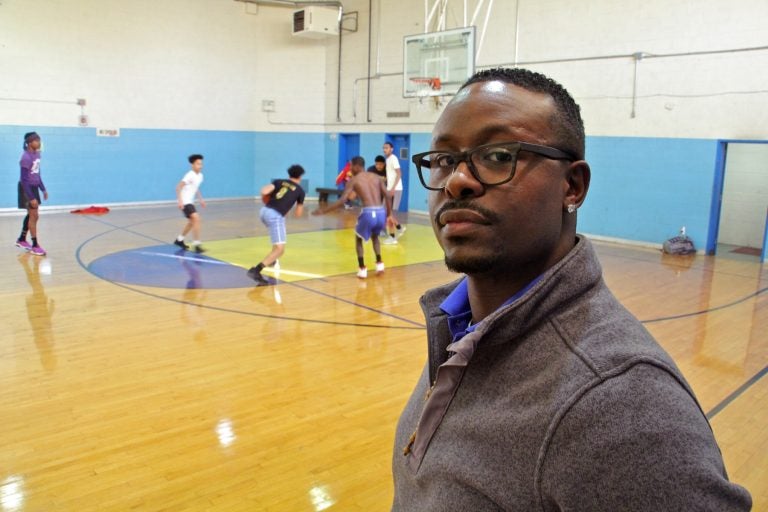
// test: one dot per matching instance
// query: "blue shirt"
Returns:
(456, 306)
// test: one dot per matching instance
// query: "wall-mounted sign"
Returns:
(107, 132)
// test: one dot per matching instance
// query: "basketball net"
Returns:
(424, 88)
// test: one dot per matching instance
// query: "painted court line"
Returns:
(178, 257)
(353, 303)
(78, 257)
(125, 228)
(708, 310)
(277, 273)
(736, 394)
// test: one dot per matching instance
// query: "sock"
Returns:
(378, 258)
(360, 263)
(180, 238)
(196, 242)
(259, 267)
(399, 226)
(24, 228)
(392, 235)
(34, 241)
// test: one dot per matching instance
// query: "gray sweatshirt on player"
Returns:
(559, 401)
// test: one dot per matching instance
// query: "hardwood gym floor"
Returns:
(136, 378)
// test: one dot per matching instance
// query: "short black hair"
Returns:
(193, 158)
(390, 144)
(358, 160)
(567, 122)
(29, 137)
(380, 158)
(295, 171)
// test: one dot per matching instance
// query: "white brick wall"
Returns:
(745, 195)
(677, 97)
(207, 64)
(204, 64)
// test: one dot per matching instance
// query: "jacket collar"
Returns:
(564, 282)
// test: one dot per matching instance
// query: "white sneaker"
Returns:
(389, 241)
(362, 273)
(400, 232)
(380, 267)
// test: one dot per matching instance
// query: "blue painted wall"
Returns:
(645, 189)
(80, 168)
(417, 194)
(370, 146)
(642, 189)
(276, 151)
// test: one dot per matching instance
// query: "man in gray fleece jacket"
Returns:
(541, 391)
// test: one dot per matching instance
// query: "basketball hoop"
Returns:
(424, 88)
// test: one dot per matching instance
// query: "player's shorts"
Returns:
(24, 200)
(189, 209)
(396, 200)
(370, 221)
(275, 222)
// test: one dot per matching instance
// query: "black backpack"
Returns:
(680, 244)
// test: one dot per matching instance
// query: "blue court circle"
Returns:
(167, 266)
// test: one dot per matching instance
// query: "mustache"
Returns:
(465, 205)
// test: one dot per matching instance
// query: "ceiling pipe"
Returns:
(293, 4)
(368, 94)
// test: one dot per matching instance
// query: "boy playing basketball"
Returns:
(279, 197)
(395, 192)
(372, 191)
(186, 190)
(30, 185)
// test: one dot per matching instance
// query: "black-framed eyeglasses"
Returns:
(490, 164)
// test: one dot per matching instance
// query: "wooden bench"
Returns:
(324, 192)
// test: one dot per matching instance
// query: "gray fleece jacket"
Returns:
(560, 401)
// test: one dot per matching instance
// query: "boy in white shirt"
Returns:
(186, 190)
(395, 192)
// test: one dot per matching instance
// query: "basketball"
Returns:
(265, 198)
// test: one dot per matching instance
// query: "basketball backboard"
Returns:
(448, 56)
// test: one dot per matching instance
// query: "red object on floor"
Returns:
(92, 210)
(752, 251)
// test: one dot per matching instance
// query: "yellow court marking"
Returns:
(317, 254)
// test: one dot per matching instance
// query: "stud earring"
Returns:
(571, 208)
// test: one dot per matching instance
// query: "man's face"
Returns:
(197, 165)
(514, 225)
(379, 166)
(34, 144)
(387, 149)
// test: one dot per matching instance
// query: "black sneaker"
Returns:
(181, 244)
(199, 249)
(256, 276)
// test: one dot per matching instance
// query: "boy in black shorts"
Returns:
(30, 185)
(186, 190)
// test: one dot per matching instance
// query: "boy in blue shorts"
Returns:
(279, 197)
(372, 191)
(30, 185)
